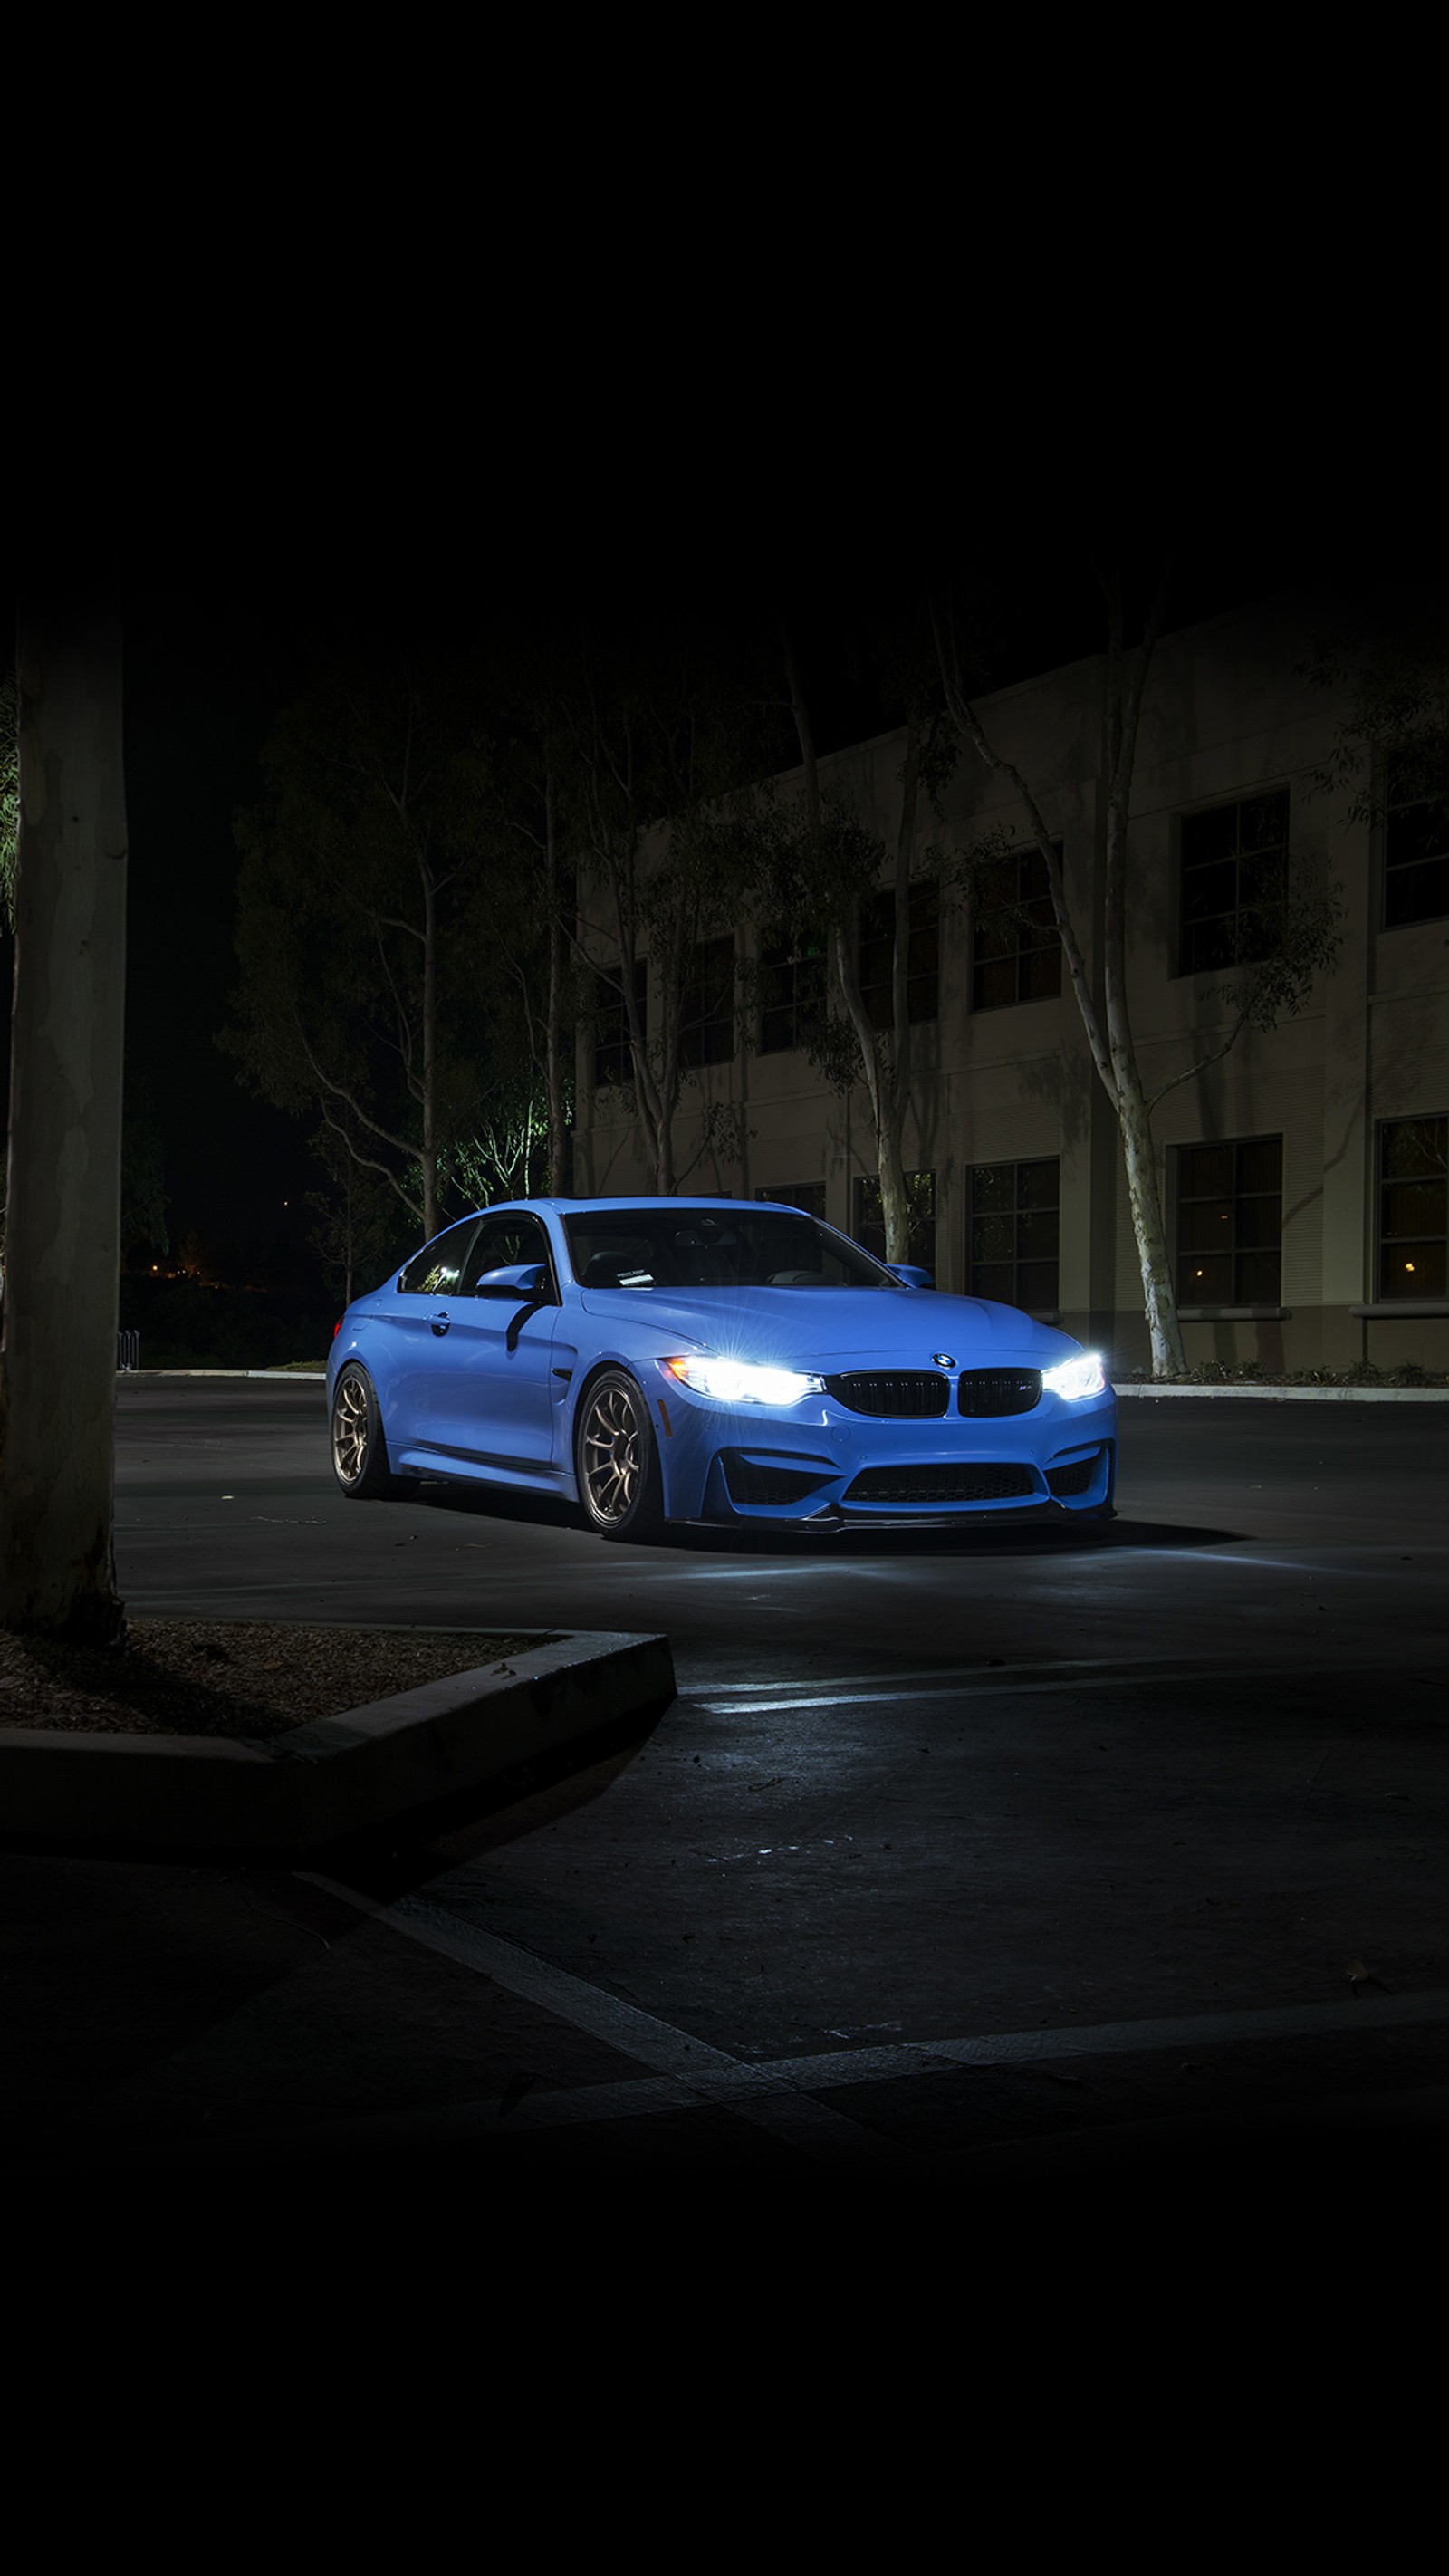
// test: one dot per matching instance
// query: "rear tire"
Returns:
(616, 1460)
(359, 1444)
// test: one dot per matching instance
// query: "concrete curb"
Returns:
(340, 1775)
(295, 1377)
(1302, 1394)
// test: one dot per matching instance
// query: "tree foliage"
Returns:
(1390, 669)
(357, 1221)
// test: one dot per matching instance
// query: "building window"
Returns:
(1016, 955)
(921, 1218)
(1011, 1251)
(1416, 853)
(1413, 1207)
(612, 1060)
(923, 954)
(1230, 1223)
(809, 1195)
(1233, 882)
(707, 1012)
(792, 991)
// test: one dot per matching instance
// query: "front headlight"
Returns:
(737, 1382)
(1084, 1375)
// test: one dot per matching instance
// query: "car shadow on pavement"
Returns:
(981, 1537)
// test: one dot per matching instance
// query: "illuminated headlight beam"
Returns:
(741, 1382)
(1083, 1375)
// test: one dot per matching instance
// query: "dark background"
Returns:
(226, 608)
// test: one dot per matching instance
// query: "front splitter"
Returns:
(836, 1524)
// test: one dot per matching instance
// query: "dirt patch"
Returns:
(236, 1677)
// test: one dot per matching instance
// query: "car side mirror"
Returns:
(520, 1279)
(909, 1276)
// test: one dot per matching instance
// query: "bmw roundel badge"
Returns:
(943, 1359)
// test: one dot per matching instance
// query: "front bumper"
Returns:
(747, 1485)
(815, 1464)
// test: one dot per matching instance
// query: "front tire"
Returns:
(617, 1461)
(359, 1445)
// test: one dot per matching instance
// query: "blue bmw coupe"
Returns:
(705, 1360)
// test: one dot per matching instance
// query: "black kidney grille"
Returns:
(749, 1482)
(896, 1395)
(1077, 1477)
(999, 1390)
(964, 1484)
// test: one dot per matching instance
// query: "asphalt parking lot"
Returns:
(1031, 1854)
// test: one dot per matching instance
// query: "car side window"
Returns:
(501, 1243)
(438, 1268)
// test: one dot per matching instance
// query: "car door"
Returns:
(414, 1311)
(489, 1397)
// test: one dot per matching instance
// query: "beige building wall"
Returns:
(1227, 714)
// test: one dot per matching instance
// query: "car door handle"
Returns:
(440, 1323)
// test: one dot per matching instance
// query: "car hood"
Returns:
(833, 1327)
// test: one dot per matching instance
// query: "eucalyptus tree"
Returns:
(520, 778)
(820, 865)
(370, 990)
(659, 740)
(356, 1229)
(1281, 943)
(1388, 669)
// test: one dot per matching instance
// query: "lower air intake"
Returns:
(749, 1482)
(1077, 1477)
(966, 1484)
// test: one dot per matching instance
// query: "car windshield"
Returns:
(683, 1247)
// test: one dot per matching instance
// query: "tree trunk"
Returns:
(58, 1352)
(1145, 1201)
(553, 1032)
(896, 1094)
(1134, 1119)
(886, 1089)
(894, 1204)
(1113, 1048)
(431, 1218)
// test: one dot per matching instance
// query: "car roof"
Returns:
(635, 1199)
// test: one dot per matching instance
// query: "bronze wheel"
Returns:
(359, 1445)
(616, 1460)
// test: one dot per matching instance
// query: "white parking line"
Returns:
(767, 2099)
(775, 2093)
(994, 1686)
(938, 1673)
